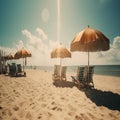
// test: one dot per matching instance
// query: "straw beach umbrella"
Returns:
(23, 53)
(89, 40)
(60, 52)
(9, 57)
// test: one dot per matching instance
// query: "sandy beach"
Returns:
(36, 97)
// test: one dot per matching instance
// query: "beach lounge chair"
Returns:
(12, 69)
(89, 76)
(80, 77)
(63, 73)
(84, 76)
(56, 74)
(19, 71)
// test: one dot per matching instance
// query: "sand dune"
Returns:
(36, 97)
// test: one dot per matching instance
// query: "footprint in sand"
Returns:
(112, 116)
(5, 94)
(32, 105)
(57, 108)
(29, 116)
(93, 117)
(6, 112)
(81, 117)
(39, 116)
(53, 103)
(71, 113)
(0, 108)
(78, 117)
(15, 108)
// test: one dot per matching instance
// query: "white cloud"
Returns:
(116, 42)
(113, 55)
(115, 49)
(45, 15)
(40, 49)
(41, 33)
(20, 45)
(32, 39)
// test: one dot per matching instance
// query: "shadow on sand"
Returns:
(100, 98)
(104, 98)
(59, 83)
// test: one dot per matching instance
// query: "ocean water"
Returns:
(111, 70)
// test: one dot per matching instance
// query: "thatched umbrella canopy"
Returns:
(60, 52)
(23, 53)
(90, 40)
(9, 57)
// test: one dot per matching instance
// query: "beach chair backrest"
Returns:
(19, 68)
(63, 71)
(80, 73)
(12, 68)
(57, 70)
(90, 73)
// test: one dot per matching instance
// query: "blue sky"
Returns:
(33, 24)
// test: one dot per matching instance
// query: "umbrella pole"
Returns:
(88, 66)
(25, 61)
(60, 68)
(23, 64)
(88, 60)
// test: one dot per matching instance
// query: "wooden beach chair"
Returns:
(19, 71)
(84, 76)
(56, 74)
(89, 76)
(12, 69)
(80, 76)
(63, 73)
